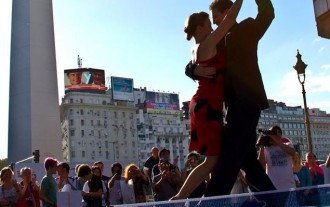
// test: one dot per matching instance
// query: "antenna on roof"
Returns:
(79, 62)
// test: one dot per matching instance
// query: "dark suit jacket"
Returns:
(243, 81)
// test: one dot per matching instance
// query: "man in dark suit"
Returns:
(245, 97)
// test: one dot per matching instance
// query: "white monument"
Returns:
(34, 119)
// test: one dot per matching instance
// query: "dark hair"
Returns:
(98, 163)
(276, 129)
(194, 20)
(95, 167)
(50, 162)
(160, 152)
(193, 153)
(65, 166)
(116, 164)
(220, 5)
(84, 170)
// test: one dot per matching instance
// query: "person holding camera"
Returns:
(276, 157)
(30, 190)
(166, 184)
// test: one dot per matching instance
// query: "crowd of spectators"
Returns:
(159, 179)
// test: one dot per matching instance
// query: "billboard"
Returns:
(84, 80)
(122, 88)
(162, 103)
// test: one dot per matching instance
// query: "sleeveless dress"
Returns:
(206, 108)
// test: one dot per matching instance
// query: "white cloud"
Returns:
(326, 66)
(317, 89)
(316, 40)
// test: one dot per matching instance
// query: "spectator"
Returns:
(276, 157)
(30, 190)
(10, 191)
(97, 172)
(116, 197)
(315, 170)
(84, 173)
(166, 183)
(193, 160)
(48, 190)
(132, 172)
(105, 179)
(151, 162)
(326, 170)
(164, 155)
(301, 172)
(93, 189)
(304, 179)
(63, 178)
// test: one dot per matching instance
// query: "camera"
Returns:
(265, 139)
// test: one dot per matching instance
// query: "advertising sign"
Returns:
(84, 80)
(162, 103)
(122, 88)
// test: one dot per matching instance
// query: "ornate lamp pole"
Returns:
(300, 68)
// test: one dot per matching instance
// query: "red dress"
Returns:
(206, 108)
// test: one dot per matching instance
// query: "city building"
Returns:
(96, 128)
(291, 120)
(162, 128)
(121, 123)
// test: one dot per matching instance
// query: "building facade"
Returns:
(292, 122)
(96, 127)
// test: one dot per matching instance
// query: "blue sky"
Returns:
(144, 40)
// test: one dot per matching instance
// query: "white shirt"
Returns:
(279, 167)
(326, 174)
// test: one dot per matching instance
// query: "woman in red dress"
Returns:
(207, 103)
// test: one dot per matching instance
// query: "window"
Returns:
(72, 132)
(92, 122)
(73, 154)
(83, 154)
(123, 114)
(82, 133)
(81, 111)
(82, 122)
(71, 112)
(71, 122)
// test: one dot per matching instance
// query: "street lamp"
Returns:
(300, 68)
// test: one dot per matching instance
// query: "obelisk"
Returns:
(34, 119)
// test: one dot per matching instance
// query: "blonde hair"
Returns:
(127, 169)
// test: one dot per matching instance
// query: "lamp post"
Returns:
(300, 68)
